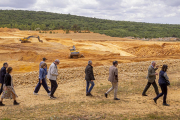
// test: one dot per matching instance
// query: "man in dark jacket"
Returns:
(2, 75)
(89, 78)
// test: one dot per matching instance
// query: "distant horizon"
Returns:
(148, 11)
(90, 16)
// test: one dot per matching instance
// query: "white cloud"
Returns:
(156, 11)
(17, 3)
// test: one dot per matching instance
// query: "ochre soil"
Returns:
(134, 57)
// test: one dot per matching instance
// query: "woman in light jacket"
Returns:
(163, 83)
(42, 80)
(8, 92)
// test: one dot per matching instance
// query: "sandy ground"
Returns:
(102, 50)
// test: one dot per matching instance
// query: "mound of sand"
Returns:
(155, 50)
(9, 30)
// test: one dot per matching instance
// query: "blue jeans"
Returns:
(44, 85)
(87, 87)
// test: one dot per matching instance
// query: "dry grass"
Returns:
(72, 104)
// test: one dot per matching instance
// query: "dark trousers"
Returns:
(54, 86)
(148, 85)
(88, 90)
(39, 86)
(1, 88)
(164, 92)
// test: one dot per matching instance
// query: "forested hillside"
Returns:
(30, 20)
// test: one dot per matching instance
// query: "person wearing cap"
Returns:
(89, 78)
(44, 60)
(113, 78)
(52, 76)
(2, 75)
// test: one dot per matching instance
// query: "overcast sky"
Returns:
(151, 11)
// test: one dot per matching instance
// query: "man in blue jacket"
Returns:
(2, 75)
(44, 61)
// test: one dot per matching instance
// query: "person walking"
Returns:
(113, 78)
(2, 75)
(151, 78)
(163, 83)
(42, 81)
(89, 78)
(8, 92)
(44, 61)
(52, 76)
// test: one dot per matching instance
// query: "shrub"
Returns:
(67, 31)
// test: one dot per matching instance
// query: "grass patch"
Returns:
(175, 83)
(156, 116)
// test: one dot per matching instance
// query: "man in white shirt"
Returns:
(52, 76)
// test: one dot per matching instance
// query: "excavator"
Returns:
(74, 53)
(25, 39)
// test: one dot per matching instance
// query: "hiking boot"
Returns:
(52, 97)
(16, 103)
(155, 100)
(116, 99)
(90, 94)
(87, 94)
(35, 93)
(1, 104)
(165, 104)
(106, 95)
(144, 95)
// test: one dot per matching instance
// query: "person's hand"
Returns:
(157, 66)
(156, 73)
(41, 81)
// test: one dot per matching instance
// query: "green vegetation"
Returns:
(31, 20)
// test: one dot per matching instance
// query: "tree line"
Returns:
(31, 20)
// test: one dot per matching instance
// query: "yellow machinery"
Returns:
(74, 53)
(25, 39)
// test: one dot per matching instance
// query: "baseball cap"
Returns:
(44, 59)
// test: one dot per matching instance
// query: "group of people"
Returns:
(51, 75)
(113, 78)
(8, 92)
(163, 82)
(7, 86)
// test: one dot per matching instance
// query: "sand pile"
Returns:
(155, 50)
(9, 30)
